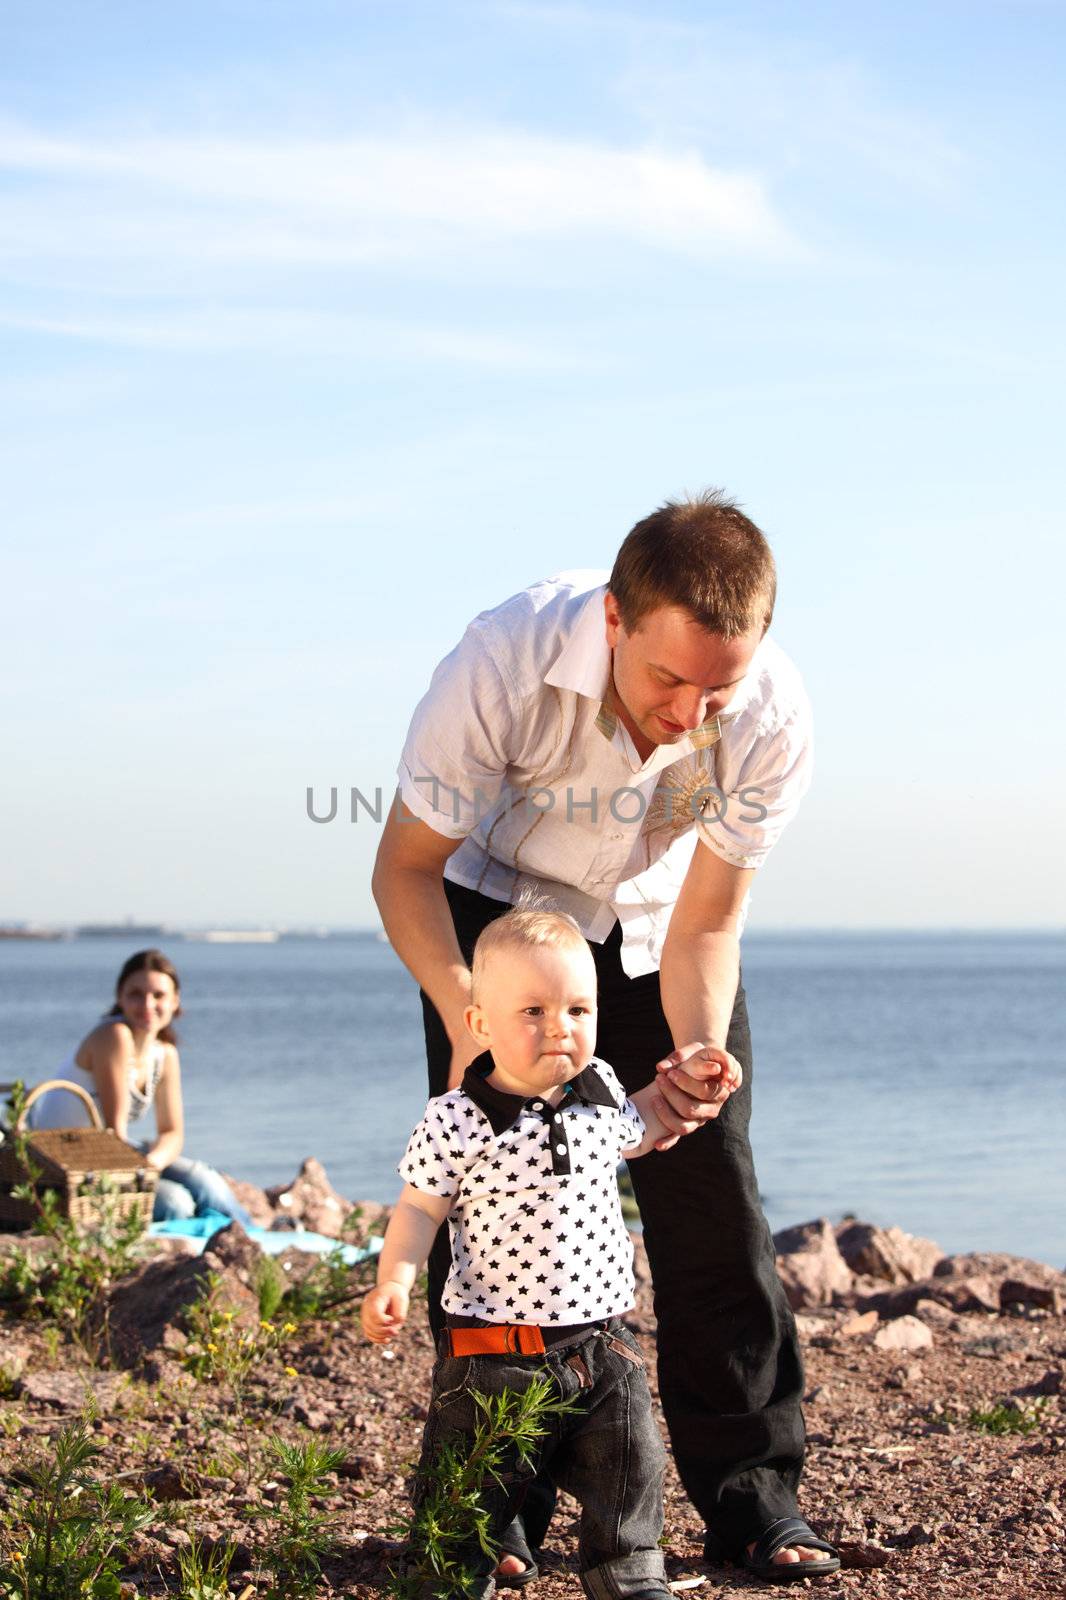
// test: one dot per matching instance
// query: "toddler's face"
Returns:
(536, 1012)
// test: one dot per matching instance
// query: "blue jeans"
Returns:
(607, 1453)
(189, 1188)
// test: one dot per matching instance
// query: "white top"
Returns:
(61, 1109)
(513, 750)
(536, 1226)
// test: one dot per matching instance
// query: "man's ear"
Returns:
(474, 1018)
(612, 617)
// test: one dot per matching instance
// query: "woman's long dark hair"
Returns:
(150, 961)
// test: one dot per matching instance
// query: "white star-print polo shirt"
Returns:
(536, 1225)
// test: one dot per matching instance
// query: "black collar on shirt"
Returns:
(503, 1110)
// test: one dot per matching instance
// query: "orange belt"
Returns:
(505, 1338)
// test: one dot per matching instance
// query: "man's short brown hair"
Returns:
(704, 555)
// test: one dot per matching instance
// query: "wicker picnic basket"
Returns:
(72, 1161)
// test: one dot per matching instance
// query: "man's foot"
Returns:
(793, 1553)
(789, 1551)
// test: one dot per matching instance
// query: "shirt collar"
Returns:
(584, 666)
(584, 662)
(503, 1110)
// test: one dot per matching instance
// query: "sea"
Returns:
(913, 1079)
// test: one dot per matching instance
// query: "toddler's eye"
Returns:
(533, 1011)
(579, 1011)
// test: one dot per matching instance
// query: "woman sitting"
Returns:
(128, 1063)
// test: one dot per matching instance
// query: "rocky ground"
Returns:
(912, 1358)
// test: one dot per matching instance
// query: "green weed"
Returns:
(270, 1286)
(451, 1518)
(203, 1572)
(1007, 1418)
(298, 1534)
(63, 1534)
(221, 1351)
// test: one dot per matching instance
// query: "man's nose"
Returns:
(687, 708)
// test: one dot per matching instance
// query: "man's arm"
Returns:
(698, 978)
(408, 886)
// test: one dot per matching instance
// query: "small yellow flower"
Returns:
(228, 1316)
(212, 1348)
(267, 1327)
(16, 1555)
(289, 1327)
(292, 1372)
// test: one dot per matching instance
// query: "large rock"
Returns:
(310, 1201)
(810, 1265)
(146, 1312)
(1016, 1280)
(905, 1333)
(981, 1281)
(254, 1200)
(887, 1253)
(73, 1391)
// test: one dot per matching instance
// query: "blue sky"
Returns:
(326, 325)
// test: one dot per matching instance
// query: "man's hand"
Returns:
(384, 1311)
(694, 1084)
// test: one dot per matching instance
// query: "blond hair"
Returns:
(533, 923)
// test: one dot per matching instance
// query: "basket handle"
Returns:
(38, 1089)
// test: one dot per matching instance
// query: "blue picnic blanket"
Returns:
(202, 1229)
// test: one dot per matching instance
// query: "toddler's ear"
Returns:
(476, 1025)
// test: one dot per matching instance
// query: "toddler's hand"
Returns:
(384, 1311)
(694, 1082)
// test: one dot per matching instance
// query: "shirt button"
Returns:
(560, 1149)
(557, 1117)
(537, 1106)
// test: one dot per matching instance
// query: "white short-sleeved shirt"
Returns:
(513, 751)
(536, 1225)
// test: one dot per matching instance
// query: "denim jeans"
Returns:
(730, 1371)
(189, 1188)
(607, 1453)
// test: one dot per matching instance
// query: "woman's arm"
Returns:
(106, 1054)
(169, 1117)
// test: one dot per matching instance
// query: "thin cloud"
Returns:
(374, 197)
(306, 332)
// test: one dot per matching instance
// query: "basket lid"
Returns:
(84, 1150)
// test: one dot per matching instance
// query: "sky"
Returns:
(324, 326)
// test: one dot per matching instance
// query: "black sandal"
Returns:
(780, 1535)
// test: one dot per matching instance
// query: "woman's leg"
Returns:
(207, 1189)
(173, 1203)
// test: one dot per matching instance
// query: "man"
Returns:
(634, 751)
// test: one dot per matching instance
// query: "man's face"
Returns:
(670, 674)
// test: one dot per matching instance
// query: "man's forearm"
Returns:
(698, 980)
(416, 917)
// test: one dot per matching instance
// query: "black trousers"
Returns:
(730, 1372)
